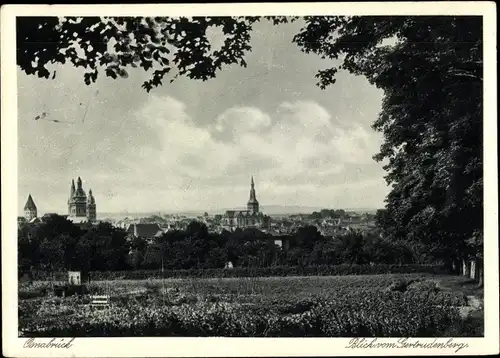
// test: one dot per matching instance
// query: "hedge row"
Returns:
(331, 270)
(356, 314)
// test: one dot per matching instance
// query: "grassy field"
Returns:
(374, 305)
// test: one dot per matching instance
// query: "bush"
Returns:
(338, 306)
(356, 314)
(325, 270)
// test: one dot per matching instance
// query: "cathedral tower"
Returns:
(78, 201)
(30, 211)
(253, 204)
(91, 209)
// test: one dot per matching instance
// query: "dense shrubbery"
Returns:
(380, 305)
(368, 312)
(324, 270)
(58, 245)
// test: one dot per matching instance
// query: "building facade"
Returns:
(252, 217)
(81, 207)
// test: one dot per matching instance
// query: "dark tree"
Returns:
(167, 46)
(431, 71)
(306, 237)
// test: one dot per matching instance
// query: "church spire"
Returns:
(72, 188)
(253, 204)
(30, 211)
(252, 191)
(30, 204)
(79, 183)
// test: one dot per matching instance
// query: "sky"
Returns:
(193, 145)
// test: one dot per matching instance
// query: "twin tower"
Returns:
(79, 204)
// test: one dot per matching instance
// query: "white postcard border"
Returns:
(218, 347)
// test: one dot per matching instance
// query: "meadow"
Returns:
(390, 305)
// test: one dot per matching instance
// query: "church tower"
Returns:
(91, 209)
(78, 201)
(71, 194)
(253, 204)
(30, 211)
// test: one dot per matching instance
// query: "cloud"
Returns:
(185, 151)
(296, 149)
(161, 157)
(237, 120)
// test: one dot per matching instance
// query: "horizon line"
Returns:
(193, 211)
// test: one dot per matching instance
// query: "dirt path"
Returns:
(461, 284)
(473, 313)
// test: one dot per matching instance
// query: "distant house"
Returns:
(145, 231)
(280, 240)
(35, 221)
(78, 220)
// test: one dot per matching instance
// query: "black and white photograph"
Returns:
(278, 174)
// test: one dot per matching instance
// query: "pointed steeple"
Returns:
(79, 183)
(30, 204)
(253, 197)
(253, 204)
(252, 191)
(30, 211)
(72, 188)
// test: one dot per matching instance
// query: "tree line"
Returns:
(327, 213)
(57, 244)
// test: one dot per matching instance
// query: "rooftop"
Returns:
(30, 204)
(143, 230)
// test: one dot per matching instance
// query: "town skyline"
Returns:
(194, 145)
(268, 208)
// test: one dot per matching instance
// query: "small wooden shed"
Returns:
(74, 278)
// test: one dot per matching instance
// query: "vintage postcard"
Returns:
(211, 180)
